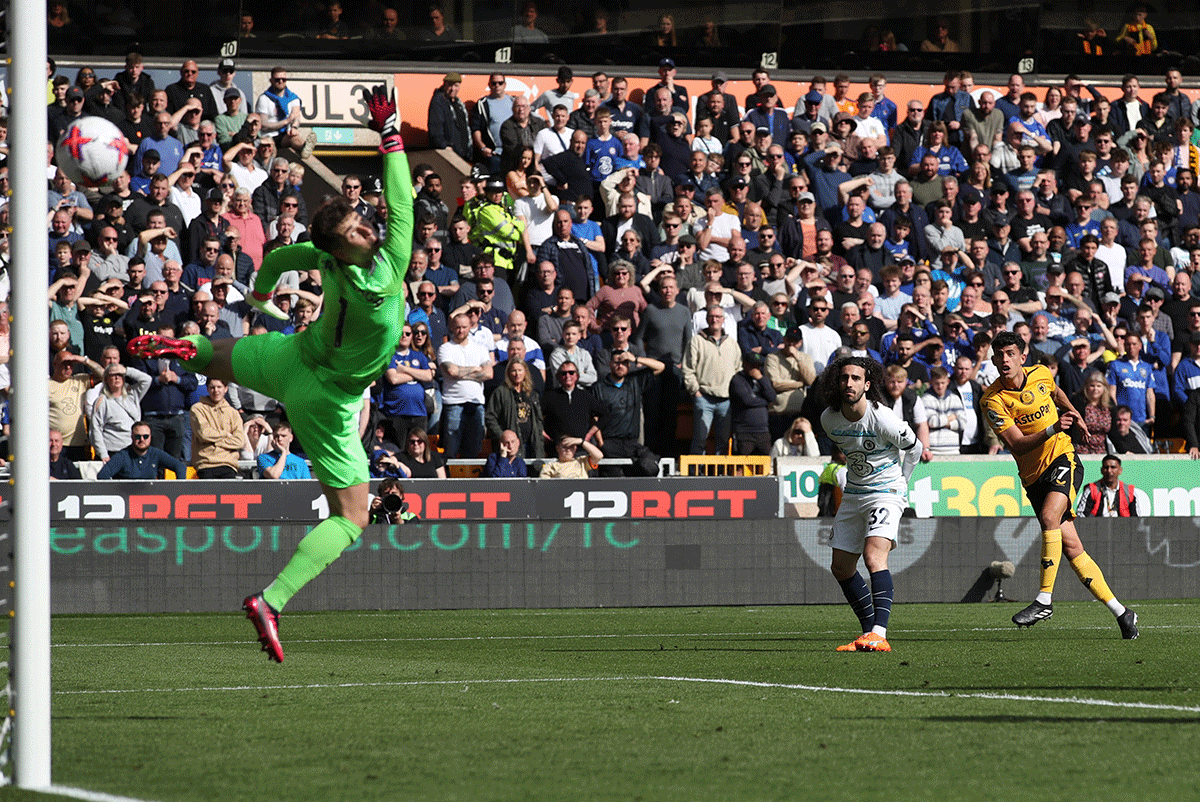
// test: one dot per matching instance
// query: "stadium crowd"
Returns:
(609, 265)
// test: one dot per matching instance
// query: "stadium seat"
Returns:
(706, 465)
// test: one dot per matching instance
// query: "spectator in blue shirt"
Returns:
(827, 170)
(402, 395)
(1083, 223)
(885, 109)
(603, 149)
(767, 115)
(280, 462)
(1131, 381)
(140, 460)
(60, 466)
(755, 336)
(506, 463)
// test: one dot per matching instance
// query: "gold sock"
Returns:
(1051, 555)
(1092, 577)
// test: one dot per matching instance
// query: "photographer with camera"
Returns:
(389, 506)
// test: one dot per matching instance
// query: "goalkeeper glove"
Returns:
(266, 305)
(384, 119)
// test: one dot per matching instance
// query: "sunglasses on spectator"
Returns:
(568, 373)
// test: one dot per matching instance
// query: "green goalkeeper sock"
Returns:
(204, 353)
(316, 551)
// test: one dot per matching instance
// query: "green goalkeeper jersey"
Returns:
(363, 311)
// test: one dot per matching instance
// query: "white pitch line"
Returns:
(89, 796)
(466, 683)
(1009, 697)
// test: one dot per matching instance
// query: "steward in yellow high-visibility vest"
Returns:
(494, 228)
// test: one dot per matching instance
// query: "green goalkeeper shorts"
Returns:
(323, 414)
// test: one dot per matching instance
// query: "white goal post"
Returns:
(30, 528)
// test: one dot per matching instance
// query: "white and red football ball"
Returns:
(92, 152)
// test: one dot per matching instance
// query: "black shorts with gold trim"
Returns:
(1065, 475)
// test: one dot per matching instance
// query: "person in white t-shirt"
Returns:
(536, 210)
(866, 126)
(716, 228)
(553, 140)
(465, 365)
(820, 341)
(1111, 253)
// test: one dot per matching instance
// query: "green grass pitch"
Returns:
(619, 704)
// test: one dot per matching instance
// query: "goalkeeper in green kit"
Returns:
(321, 373)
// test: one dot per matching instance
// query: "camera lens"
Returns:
(394, 503)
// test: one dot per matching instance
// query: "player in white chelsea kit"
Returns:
(881, 451)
